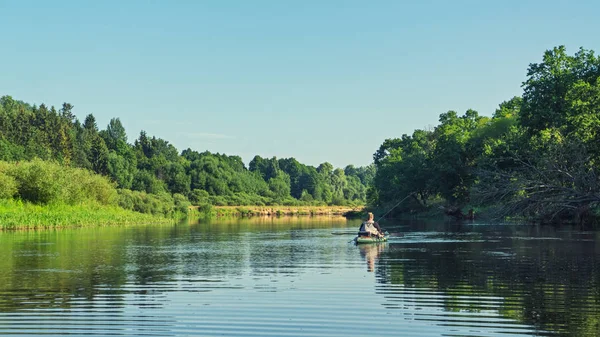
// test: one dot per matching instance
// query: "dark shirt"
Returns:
(377, 226)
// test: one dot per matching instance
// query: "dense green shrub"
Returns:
(218, 200)
(205, 208)
(44, 182)
(161, 204)
(126, 199)
(85, 185)
(246, 199)
(8, 186)
(289, 201)
(158, 204)
(203, 211)
(182, 204)
(198, 196)
(37, 182)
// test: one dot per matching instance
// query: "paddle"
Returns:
(343, 233)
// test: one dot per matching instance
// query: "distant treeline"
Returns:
(537, 157)
(154, 167)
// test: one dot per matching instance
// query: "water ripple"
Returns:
(297, 279)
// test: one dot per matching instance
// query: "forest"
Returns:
(535, 158)
(150, 175)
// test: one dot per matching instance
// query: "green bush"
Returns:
(162, 204)
(126, 199)
(182, 204)
(339, 201)
(289, 201)
(43, 182)
(205, 209)
(37, 181)
(218, 200)
(141, 203)
(198, 197)
(84, 185)
(8, 186)
(158, 204)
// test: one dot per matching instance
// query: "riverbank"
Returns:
(22, 215)
(220, 211)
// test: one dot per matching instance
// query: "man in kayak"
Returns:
(370, 227)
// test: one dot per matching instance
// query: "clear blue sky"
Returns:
(315, 80)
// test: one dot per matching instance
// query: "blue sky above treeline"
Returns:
(315, 80)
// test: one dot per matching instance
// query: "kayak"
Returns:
(369, 239)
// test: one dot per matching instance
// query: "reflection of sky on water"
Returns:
(284, 277)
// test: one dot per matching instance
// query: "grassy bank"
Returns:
(220, 211)
(39, 194)
(23, 215)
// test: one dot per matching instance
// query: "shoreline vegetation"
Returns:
(535, 159)
(48, 157)
(39, 194)
(249, 211)
(18, 215)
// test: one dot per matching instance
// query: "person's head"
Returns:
(370, 216)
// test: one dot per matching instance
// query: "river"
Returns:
(300, 276)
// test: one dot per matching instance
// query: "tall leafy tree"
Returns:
(548, 83)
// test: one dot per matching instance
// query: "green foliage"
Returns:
(115, 136)
(536, 157)
(154, 166)
(205, 209)
(182, 204)
(545, 103)
(406, 166)
(161, 204)
(279, 186)
(306, 197)
(45, 182)
(147, 182)
(176, 178)
(98, 156)
(198, 197)
(583, 114)
(15, 214)
(10, 151)
(8, 184)
(122, 169)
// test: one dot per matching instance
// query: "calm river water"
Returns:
(300, 277)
